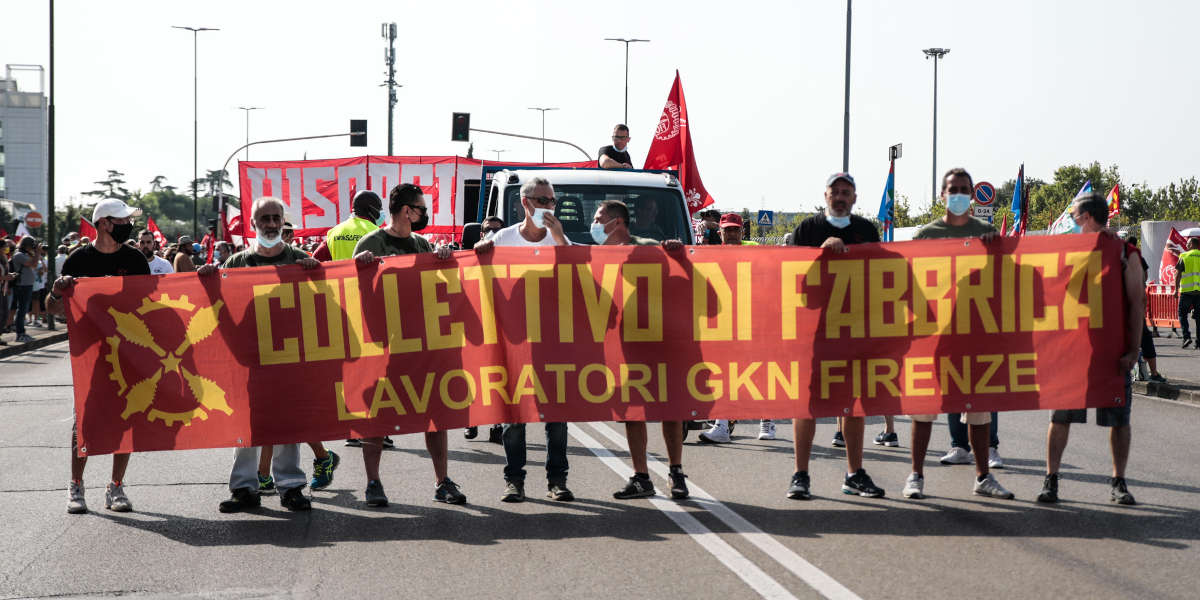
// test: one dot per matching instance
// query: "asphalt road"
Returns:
(738, 537)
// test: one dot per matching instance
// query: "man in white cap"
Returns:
(108, 256)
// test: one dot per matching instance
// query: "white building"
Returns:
(23, 140)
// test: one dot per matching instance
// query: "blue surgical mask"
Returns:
(958, 204)
(598, 233)
(269, 242)
(839, 222)
(381, 220)
(539, 217)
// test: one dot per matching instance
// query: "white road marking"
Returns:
(809, 573)
(756, 578)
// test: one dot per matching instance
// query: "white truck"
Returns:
(655, 199)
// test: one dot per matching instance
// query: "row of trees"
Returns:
(1178, 201)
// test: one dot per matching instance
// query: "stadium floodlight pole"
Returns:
(195, 124)
(498, 151)
(936, 54)
(248, 109)
(543, 127)
(626, 42)
(846, 115)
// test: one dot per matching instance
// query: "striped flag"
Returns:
(1064, 223)
(1019, 203)
(1114, 201)
(887, 207)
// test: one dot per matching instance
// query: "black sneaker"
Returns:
(241, 499)
(636, 488)
(1049, 493)
(798, 490)
(375, 495)
(496, 434)
(471, 433)
(891, 440)
(679, 489)
(293, 499)
(559, 492)
(447, 491)
(388, 443)
(354, 443)
(514, 491)
(1187, 342)
(1157, 378)
(860, 483)
(838, 440)
(1120, 493)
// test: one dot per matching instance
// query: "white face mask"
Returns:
(958, 204)
(539, 217)
(269, 242)
(598, 233)
(839, 222)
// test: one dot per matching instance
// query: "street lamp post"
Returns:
(248, 109)
(543, 110)
(936, 54)
(626, 42)
(846, 114)
(498, 151)
(195, 124)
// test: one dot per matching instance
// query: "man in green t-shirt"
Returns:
(957, 188)
(245, 484)
(410, 214)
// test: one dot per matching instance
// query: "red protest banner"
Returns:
(318, 192)
(275, 355)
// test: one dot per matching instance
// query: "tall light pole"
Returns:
(936, 54)
(543, 109)
(248, 109)
(626, 42)
(195, 125)
(388, 32)
(846, 115)
(498, 151)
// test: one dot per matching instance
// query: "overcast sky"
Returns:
(1044, 83)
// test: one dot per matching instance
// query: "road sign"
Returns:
(766, 218)
(985, 193)
(33, 219)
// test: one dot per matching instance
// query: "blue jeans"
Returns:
(958, 432)
(556, 452)
(22, 297)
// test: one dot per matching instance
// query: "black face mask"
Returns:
(421, 223)
(120, 233)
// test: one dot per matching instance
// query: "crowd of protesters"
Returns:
(376, 230)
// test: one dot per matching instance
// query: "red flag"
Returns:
(152, 227)
(1004, 226)
(672, 148)
(87, 230)
(1114, 201)
(1176, 243)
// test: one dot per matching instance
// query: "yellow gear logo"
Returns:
(140, 397)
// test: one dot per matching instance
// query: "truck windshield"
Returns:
(655, 213)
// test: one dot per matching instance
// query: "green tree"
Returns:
(112, 186)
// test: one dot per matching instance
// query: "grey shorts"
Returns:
(1113, 416)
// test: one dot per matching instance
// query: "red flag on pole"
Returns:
(87, 230)
(1176, 244)
(152, 227)
(1004, 226)
(672, 148)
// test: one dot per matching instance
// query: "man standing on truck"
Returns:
(539, 228)
(616, 156)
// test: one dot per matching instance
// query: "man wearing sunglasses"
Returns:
(539, 228)
(616, 156)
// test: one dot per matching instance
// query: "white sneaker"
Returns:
(717, 434)
(766, 430)
(994, 459)
(992, 488)
(76, 505)
(914, 486)
(116, 500)
(957, 456)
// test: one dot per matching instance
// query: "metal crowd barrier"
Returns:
(1162, 307)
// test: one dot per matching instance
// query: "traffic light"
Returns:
(358, 131)
(461, 129)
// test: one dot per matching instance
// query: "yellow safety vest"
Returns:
(1188, 272)
(343, 237)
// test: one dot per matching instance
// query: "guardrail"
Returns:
(1162, 306)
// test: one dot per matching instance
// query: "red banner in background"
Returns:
(276, 355)
(318, 192)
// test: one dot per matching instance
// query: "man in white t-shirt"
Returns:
(539, 228)
(147, 244)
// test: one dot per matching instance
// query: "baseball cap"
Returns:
(113, 208)
(731, 220)
(843, 176)
(185, 240)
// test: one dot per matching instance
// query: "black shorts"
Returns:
(1147, 343)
